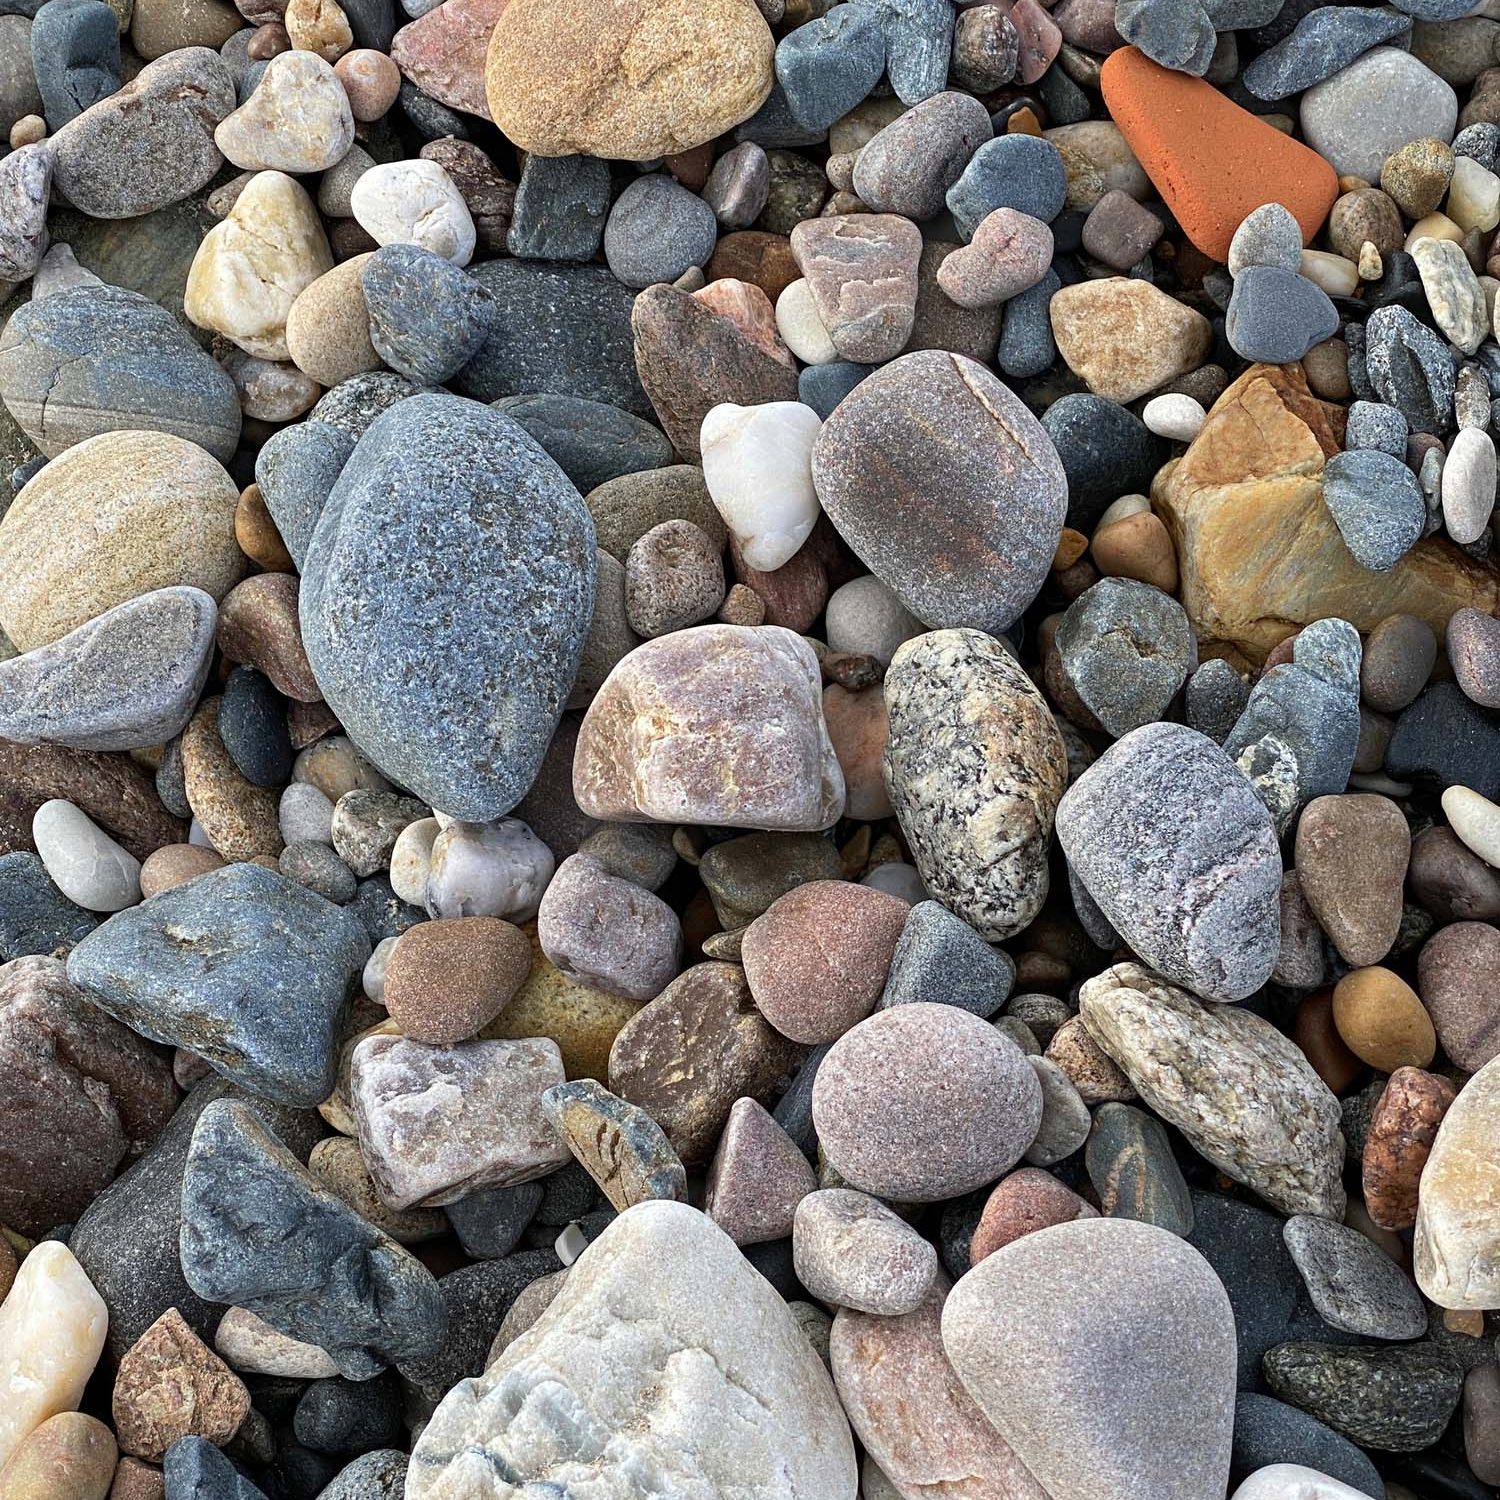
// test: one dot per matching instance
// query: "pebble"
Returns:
(414, 203)
(199, 1471)
(1321, 44)
(1139, 1418)
(1130, 1163)
(1473, 647)
(1022, 1203)
(297, 120)
(1468, 484)
(1444, 738)
(1453, 292)
(35, 917)
(939, 957)
(1161, 1036)
(446, 980)
(861, 272)
(1409, 367)
(1354, 1285)
(560, 208)
(1376, 503)
(1451, 970)
(426, 319)
(982, 466)
(852, 1251)
(1008, 255)
(923, 1102)
(1286, 1481)
(249, 1344)
(968, 730)
(1402, 1129)
(831, 63)
(757, 465)
(667, 1263)
(656, 230)
(618, 1144)
(79, 1448)
(757, 1178)
(495, 869)
(25, 179)
(1351, 857)
(86, 865)
(1268, 1432)
(908, 167)
(1277, 315)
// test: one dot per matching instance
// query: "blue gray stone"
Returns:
(1445, 737)
(1411, 368)
(831, 64)
(918, 42)
(241, 966)
(101, 359)
(1175, 33)
(296, 469)
(381, 912)
(1377, 504)
(1268, 1431)
(657, 230)
(35, 917)
(1026, 345)
(1373, 424)
(429, 117)
(380, 1475)
(489, 1224)
(1354, 1285)
(75, 49)
(1434, 10)
(1276, 315)
(252, 724)
(773, 124)
(196, 1470)
(1106, 451)
(445, 599)
(1215, 699)
(1322, 43)
(589, 441)
(1023, 172)
(340, 1417)
(428, 318)
(566, 331)
(822, 387)
(260, 1232)
(940, 958)
(561, 203)
(1129, 1160)
(127, 679)
(353, 404)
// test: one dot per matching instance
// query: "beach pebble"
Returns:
(427, 319)
(1468, 485)
(87, 866)
(1377, 505)
(414, 203)
(1351, 856)
(852, 1251)
(1009, 254)
(69, 1456)
(1402, 1130)
(861, 272)
(1277, 315)
(757, 1178)
(495, 869)
(1450, 980)
(618, 1144)
(297, 120)
(908, 167)
(656, 230)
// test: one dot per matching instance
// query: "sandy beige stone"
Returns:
(1125, 337)
(328, 326)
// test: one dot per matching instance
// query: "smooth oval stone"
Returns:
(718, 724)
(94, 359)
(88, 866)
(852, 1251)
(727, 1351)
(151, 143)
(1293, 1482)
(484, 591)
(1240, 1091)
(118, 516)
(1377, 504)
(1268, 1431)
(974, 767)
(923, 1102)
(196, 966)
(1198, 899)
(1103, 1351)
(127, 679)
(427, 318)
(946, 487)
(589, 441)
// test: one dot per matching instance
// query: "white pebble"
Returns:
(1294, 1482)
(1174, 416)
(414, 203)
(411, 858)
(570, 1244)
(801, 328)
(85, 863)
(373, 978)
(1468, 484)
(1473, 196)
(1476, 821)
(488, 870)
(757, 464)
(1336, 275)
(305, 815)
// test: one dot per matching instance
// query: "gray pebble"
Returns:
(1323, 42)
(1376, 502)
(1267, 236)
(590, 442)
(831, 64)
(918, 42)
(75, 48)
(1065, 1117)
(1373, 424)
(1355, 1286)
(1216, 696)
(908, 167)
(35, 917)
(353, 404)
(1131, 1165)
(656, 231)
(1175, 33)
(296, 469)
(428, 318)
(1409, 365)
(1023, 172)
(319, 869)
(674, 578)
(560, 207)
(940, 958)
(25, 181)
(740, 183)
(1276, 315)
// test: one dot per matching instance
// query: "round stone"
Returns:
(674, 578)
(656, 230)
(414, 203)
(297, 120)
(85, 864)
(1398, 658)
(1473, 645)
(852, 1251)
(1382, 1021)
(924, 1102)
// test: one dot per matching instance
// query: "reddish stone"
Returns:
(443, 52)
(1399, 1141)
(1022, 1203)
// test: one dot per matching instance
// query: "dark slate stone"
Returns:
(489, 1224)
(589, 441)
(939, 957)
(1434, 10)
(1064, 101)
(567, 1194)
(428, 318)
(348, 1417)
(773, 1259)
(1277, 315)
(566, 331)
(35, 917)
(1175, 33)
(429, 117)
(373, 22)
(1411, 368)
(1322, 43)
(381, 912)
(241, 966)
(793, 1110)
(252, 724)
(195, 1470)
(296, 1473)
(295, 470)
(259, 1231)
(1268, 1431)
(1216, 697)
(445, 599)
(822, 387)
(1131, 1165)
(127, 1238)
(1106, 451)
(75, 51)
(98, 359)
(1023, 172)
(377, 1476)
(1480, 142)
(1026, 345)
(1376, 503)
(560, 208)
(960, 1219)
(773, 125)
(829, 65)
(1447, 738)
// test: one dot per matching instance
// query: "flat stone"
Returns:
(1377, 504)
(1353, 1284)
(193, 966)
(328, 1278)
(620, 1146)
(727, 1352)
(1351, 855)
(1256, 1108)
(862, 272)
(1068, 1304)
(852, 1251)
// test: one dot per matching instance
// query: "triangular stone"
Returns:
(757, 1179)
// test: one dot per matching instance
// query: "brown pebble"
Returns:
(137, 1481)
(446, 980)
(1027, 1200)
(1096, 1076)
(175, 864)
(858, 725)
(1140, 547)
(1402, 1129)
(239, 818)
(756, 256)
(1351, 856)
(742, 606)
(816, 961)
(1482, 1422)
(70, 1456)
(1071, 545)
(1023, 122)
(1314, 1032)
(1326, 366)
(1398, 658)
(1456, 972)
(259, 627)
(371, 80)
(171, 1385)
(338, 1164)
(257, 535)
(1449, 880)
(1382, 1021)
(268, 41)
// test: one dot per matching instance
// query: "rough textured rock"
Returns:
(1247, 587)
(618, 1144)
(1239, 1090)
(1352, 1282)
(1199, 899)
(660, 1328)
(974, 767)
(1399, 1141)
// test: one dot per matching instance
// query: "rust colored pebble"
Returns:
(1140, 547)
(259, 627)
(268, 41)
(257, 535)
(1022, 1203)
(1314, 1032)
(757, 256)
(371, 80)
(1402, 1129)
(448, 979)
(176, 864)
(1211, 161)
(137, 1481)
(1382, 1021)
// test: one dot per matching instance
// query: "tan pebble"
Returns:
(1125, 337)
(319, 26)
(69, 1457)
(446, 980)
(371, 81)
(1382, 1021)
(1371, 266)
(174, 865)
(328, 326)
(250, 1344)
(1326, 366)
(1096, 1076)
(339, 1165)
(1467, 1322)
(1140, 547)
(257, 535)
(742, 606)
(858, 725)
(27, 131)
(1071, 545)
(137, 1481)
(238, 817)
(259, 627)
(1023, 122)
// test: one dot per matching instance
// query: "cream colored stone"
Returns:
(297, 120)
(800, 327)
(1473, 195)
(249, 1344)
(414, 203)
(1476, 820)
(1456, 1256)
(250, 269)
(1453, 291)
(52, 1327)
(1434, 226)
(757, 463)
(1336, 275)
(1175, 416)
(1125, 337)
(411, 859)
(319, 26)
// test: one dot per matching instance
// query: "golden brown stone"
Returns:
(1381, 1020)
(69, 1457)
(239, 817)
(1126, 337)
(174, 864)
(257, 535)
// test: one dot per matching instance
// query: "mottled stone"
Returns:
(619, 1145)
(1351, 854)
(1354, 1284)
(757, 1178)
(1130, 1163)
(1399, 1141)
(35, 917)
(297, 120)
(1454, 977)
(237, 816)
(908, 167)
(852, 1251)
(862, 272)
(1242, 1093)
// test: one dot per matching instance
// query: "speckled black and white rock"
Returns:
(1239, 1090)
(446, 634)
(974, 767)
(1376, 502)
(242, 967)
(1197, 896)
